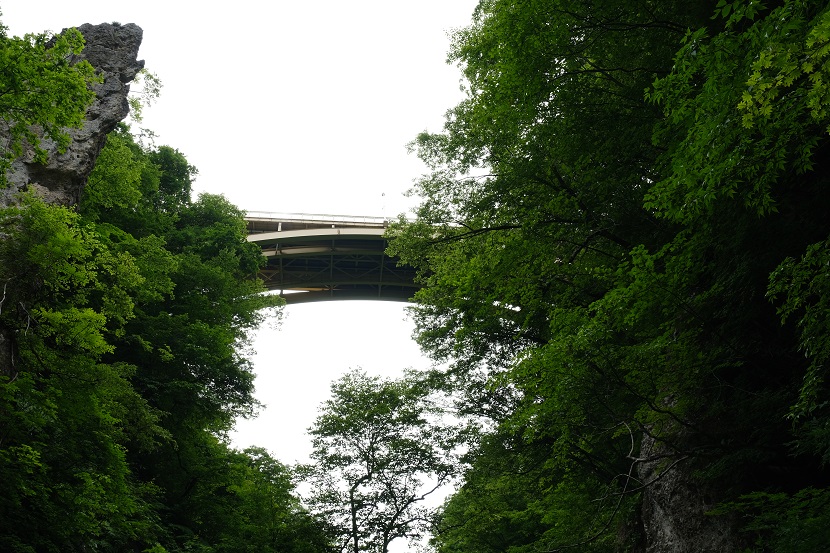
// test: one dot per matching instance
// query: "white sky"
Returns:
(294, 107)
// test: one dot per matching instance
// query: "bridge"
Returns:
(328, 257)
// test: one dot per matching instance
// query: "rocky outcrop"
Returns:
(675, 504)
(112, 49)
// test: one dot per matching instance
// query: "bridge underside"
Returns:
(330, 262)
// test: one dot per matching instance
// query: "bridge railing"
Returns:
(317, 218)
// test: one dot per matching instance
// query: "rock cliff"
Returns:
(675, 504)
(112, 49)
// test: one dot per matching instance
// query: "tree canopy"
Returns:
(618, 216)
(379, 450)
(124, 327)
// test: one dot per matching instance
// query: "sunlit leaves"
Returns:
(43, 91)
(117, 177)
(742, 107)
(796, 56)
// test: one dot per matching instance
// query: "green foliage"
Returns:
(43, 90)
(123, 344)
(804, 285)
(378, 453)
(124, 330)
(522, 264)
(794, 57)
(274, 519)
(234, 501)
(598, 262)
(514, 499)
(145, 90)
(66, 416)
(743, 108)
(783, 522)
(74, 270)
(174, 181)
(117, 179)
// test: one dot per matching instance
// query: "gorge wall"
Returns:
(112, 49)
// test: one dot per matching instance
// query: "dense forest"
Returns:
(623, 243)
(125, 322)
(624, 246)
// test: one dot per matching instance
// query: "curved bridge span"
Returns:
(328, 257)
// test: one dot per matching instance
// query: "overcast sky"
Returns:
(294, 107)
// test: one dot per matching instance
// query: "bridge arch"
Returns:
(314, 257)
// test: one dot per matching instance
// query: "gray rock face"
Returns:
(674, 508)
(112, 49)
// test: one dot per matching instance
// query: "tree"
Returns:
(535, 193)
(378, 453)
(128, 321)
(189, 336)
(274, 519)
(532, 207)
(66, 414)
(42, 87)
(597, 261)
(124, 325)
(514, 499)
(203, 298)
